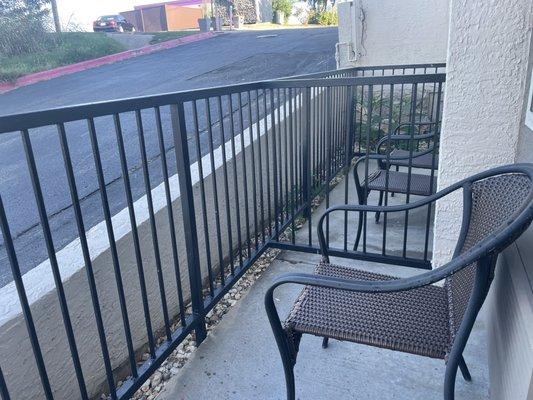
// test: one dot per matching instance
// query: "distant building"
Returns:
(183, 14)
(169, 16)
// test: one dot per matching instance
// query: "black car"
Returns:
(112, 23)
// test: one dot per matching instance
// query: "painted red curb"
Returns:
(112, 58)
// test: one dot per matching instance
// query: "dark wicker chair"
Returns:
(426, 136)
(411, 314)
(385, 180)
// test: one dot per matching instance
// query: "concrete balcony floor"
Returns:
(240, 360)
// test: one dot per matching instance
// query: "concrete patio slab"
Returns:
(239, 360)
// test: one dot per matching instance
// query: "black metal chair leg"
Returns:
(379, 203)
(325, 342)
(360, 223)
(287, 358)
(359, 230)
(464, 370)
(289, 380)
(449, 379)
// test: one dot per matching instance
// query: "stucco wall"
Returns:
(392, 32)
(486, 78)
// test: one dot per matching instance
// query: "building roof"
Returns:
(170, 3)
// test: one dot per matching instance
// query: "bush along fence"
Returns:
(223, 174)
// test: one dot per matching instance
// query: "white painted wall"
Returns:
(388, 32)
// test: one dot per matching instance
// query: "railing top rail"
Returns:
(357, 81)
(35, 119)
(401, 66)
(366, 68)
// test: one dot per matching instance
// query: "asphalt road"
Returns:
(226, 59)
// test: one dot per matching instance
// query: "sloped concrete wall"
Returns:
(20, 371)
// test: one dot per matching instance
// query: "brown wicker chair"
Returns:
(411, 314)
(390, 154)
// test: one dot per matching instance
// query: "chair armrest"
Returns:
(403, 137)
(397, 129)
(395, 285)
(362, 208)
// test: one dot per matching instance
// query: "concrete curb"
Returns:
(112, 58)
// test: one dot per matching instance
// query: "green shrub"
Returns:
(23, 34)
(24, 27)
(285, 6)
(63, 49)
(327, 17)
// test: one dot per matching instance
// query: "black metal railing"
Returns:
(208, 180)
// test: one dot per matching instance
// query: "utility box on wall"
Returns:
(347, 50)
(390, 32)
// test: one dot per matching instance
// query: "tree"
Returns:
(55, 14)
(24, 26)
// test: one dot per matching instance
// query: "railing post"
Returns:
(306, 150)
(179, 131)
(350, 140)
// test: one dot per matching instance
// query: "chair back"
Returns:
(491, 205)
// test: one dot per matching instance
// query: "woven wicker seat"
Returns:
(386, 181)
(413, 314)
(399, 157)
(401, 182)
(414, 321)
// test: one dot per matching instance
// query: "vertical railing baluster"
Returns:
(28, 318)
(436, 143)
(286, 154)
(306, 161)
(181, 147)
(349, 143)
(387, 170)
(412, 118)
(401, 101)
(170, 214)
(133, 224)
(280, 158)
(235, 182)
(254, 185)
(244, 174)
(327, 131)
(274, 163)
(292, 162)
(267, 161)
(43, 217)
(226, 184)
(202, 196)
(360, 130)
(260, 165)
(153, 227)
(215, 190)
